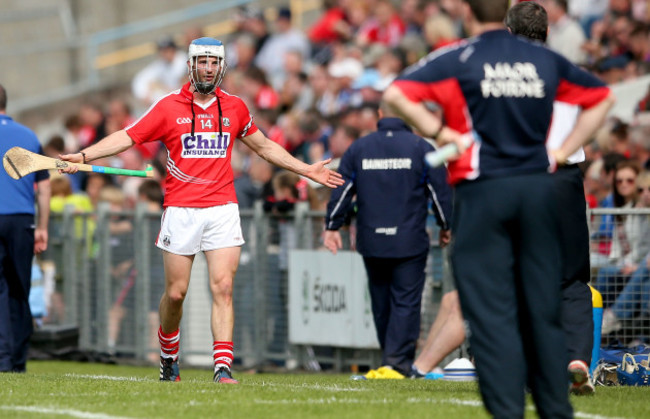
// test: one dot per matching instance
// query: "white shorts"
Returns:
(188, 231)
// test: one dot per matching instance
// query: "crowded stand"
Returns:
(315, 89)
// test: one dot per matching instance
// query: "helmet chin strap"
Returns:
(204, 88)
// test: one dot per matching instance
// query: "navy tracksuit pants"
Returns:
(577, 312)
(16, 253)
(396, 286)
(507, 264)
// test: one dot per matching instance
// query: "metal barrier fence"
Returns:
(620, 271)
(109, 279)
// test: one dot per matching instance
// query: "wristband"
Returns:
(83, 156)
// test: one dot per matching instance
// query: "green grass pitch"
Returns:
(97, 391)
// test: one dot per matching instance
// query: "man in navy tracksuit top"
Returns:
(506, 248)
(19, 239)
(393, 185)
(530, 19)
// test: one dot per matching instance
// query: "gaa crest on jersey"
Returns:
(205, 145)
(226, 121)
(166, 241)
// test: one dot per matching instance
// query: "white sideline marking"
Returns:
(106, 377)
(593, 416)
(67, 412)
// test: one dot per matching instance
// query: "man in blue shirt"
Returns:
(499, 90)
(20, 238)
(393, 185)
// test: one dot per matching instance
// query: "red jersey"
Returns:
(199, 173)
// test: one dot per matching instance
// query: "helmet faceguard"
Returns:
(206, 47)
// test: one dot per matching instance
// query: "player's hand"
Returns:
(558, 157)
(321, 174)
(40, 240)
(332, 240)
(72, 158)
(444, 238)
(448, 135)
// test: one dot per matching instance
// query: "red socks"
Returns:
(169, 343)
(222, 353)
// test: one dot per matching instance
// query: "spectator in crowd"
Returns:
(332, 26)
(244, 49)
(123, 271)
(384, 27)
(254, 184)
(296, 93)
(439, 31)
(631, 237)
(258, 91)
(340, 94)
(587, 12)
(639, 46)
(165, 73)
(285, 38)
(254, 23)
(387, 172)
(93, 123)
(635, 296)
(118, 116)
(341, 139)
(564, 34)
(72, 133)
(54, 147)
(20, 238)
(318, 80)
(603, 236)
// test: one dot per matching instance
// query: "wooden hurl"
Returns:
(19, 162)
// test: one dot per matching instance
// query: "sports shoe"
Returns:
(610, 323)
(415, 373)
(579, 376)
(223, 375)
(169, 370)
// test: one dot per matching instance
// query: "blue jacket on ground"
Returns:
(394, 185)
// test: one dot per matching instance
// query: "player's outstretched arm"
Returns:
(275, 154)
(110, 145)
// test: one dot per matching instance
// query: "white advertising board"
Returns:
(329, 303)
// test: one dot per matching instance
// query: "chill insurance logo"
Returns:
(205, 145)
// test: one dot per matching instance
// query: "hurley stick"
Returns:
(19, 162)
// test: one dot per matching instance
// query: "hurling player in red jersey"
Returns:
(198, 124)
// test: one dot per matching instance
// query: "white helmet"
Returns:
(203, 47)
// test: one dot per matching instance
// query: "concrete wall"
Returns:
(38, 55)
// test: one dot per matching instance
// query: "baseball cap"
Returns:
(347, 67)
(166, 42)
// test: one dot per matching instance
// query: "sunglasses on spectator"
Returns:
(628, 180)
(641, 189)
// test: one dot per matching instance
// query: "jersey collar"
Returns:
(394, 124)
(186, 93)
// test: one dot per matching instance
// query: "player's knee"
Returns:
(222, 288)
(176, 296)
